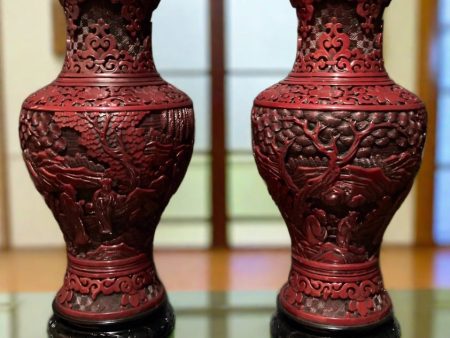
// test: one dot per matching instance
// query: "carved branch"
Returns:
(329, 150)
(359, 137)
(102, 135)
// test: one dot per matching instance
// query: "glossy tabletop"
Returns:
(422, 314)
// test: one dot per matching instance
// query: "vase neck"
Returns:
(340, 37)
(110, 37)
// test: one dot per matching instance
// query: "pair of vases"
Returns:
(337, 142)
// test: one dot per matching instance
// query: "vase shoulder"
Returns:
(337, 93)
(119, 95)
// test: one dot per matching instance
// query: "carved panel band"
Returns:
(122, 287)
(335, 294)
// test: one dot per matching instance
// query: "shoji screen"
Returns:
(442, 175)
(260, 43)
(182, 54)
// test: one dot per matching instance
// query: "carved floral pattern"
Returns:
(325, 47)
(106, 96)
(98, 51)
(334, 54)
(369, 10)
(393, 95)
(102, 55)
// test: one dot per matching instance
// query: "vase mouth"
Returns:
(305, 3)
(149, 4)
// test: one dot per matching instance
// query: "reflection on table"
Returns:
(422, 314)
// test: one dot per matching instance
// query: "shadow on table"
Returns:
(283, 327)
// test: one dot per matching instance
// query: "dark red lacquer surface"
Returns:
(107, 144)
(338, 144)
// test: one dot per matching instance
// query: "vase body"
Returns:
(107, 144)
(338, 144)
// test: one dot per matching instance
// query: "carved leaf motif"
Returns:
(335, 55)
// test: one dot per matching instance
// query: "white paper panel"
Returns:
(258, 234)
(444, 57)
(261, 34)
(444, 11)
(241, 91)
(443, 130)
(181, 35)
(183, 235)
(247, 192)
(442, 207)
(192, 198)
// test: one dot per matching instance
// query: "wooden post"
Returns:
(218, 182)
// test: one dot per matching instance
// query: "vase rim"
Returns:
(152, 4)
(303, 3)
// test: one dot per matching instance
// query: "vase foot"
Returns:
(335, 296)
(111, 290)
(282, 326)
(158, 324)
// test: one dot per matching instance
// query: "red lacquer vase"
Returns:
(107, 144)
(338, 144)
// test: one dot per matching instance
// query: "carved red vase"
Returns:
(107, 144)
(338, 144)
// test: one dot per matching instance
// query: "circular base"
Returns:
(331, 327)
(158, 324)
(282, 326)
